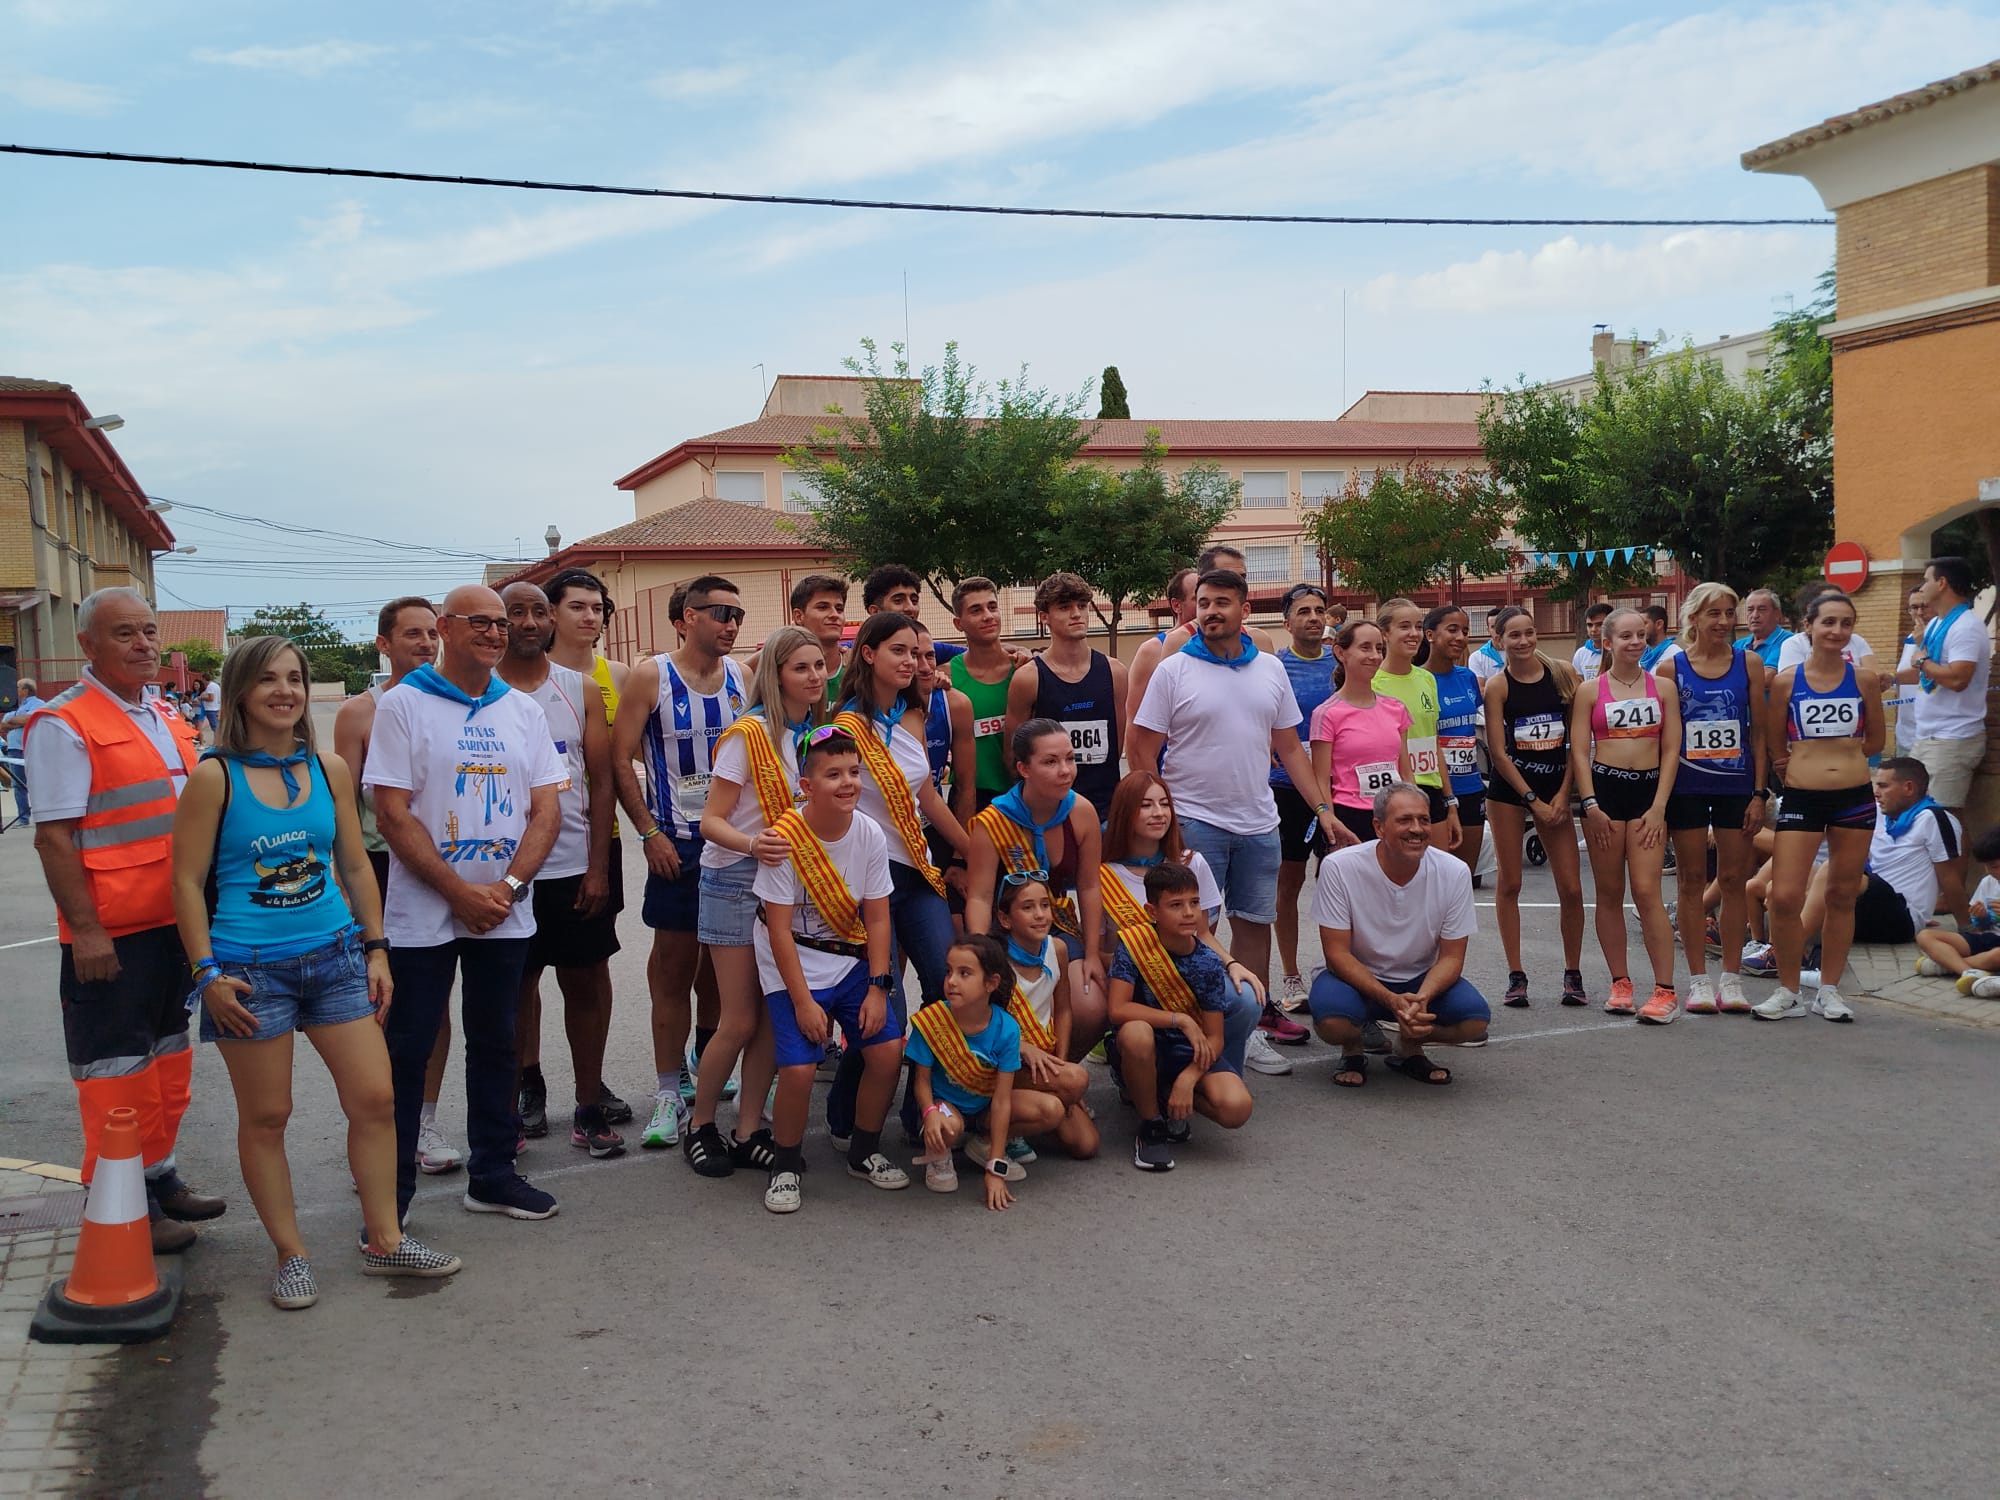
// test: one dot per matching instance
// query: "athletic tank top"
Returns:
(1087, 709)
(1637, 718)
(1536, 726)
(371, 836)
(1715, 730)
(679, 745)
(275, 895)
(1458, 729)
(1813, 715)
(1039, 988)
(1416, 690)
(937, 739)
(561, 699)
(989, 718)
(1312, 685)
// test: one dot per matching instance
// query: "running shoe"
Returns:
(782, 1195)
(1929, 968)
(1374, 1040)
(1662, 1007)
(1830, 1005)
(706, 1151)
(409, 1258)
(533, 1105)
(757, 1150)
(940, 1172)
(293, 1287)
(1712, 940)
(1573, 991)
(1291, 992)
(1178, 1131)
(1098, 1055)
(1261, 1057)
(591, 1131)
(1151, 1151)
(1620, 1001)
(688, 1082)
(1730, 999)
(1780, 1005)
(668, 1123)
(1019, 1150)
(829, 1064)
(512, 1195)
(1985, 987)
(1281, 1028)
(1701, 995)
(435, 1154)
(879, 1171)
(1517, 989)
(1758, 960)
(1968, 981)
(616, 1110)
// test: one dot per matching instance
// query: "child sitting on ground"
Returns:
(822, 944)
(1966, 953)
(964, 1055)
(1026, 913)
(1167, 994)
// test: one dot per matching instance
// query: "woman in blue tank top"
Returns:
(1722, 788)
(274, 891)
(1447, 641)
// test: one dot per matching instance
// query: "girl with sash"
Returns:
(1825, 720)
(274, 892)
(965, 1055)
(949, 742)
(1141, 834)
(753, 773)
(1360, 737)
(1447, 638)
(1025, 912)
(1039, 826)
(1624, 748)
(881, 709)
(1403, 678)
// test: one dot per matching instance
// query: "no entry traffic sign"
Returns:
(1846, 565)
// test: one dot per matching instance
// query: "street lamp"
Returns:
(104, 424)
(159, 507)
(184, 551)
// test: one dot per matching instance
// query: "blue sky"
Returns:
(461, 367)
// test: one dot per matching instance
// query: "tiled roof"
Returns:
(24, 383)
(178, 625)
(711, 525)
(1873, 114)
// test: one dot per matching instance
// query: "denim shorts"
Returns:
(728, 906)
(324, 987)
(1245, 865)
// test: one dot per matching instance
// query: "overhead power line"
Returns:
(802, 201)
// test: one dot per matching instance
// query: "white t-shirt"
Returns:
(731, 762)
(1483, 665)
(1134, 880)
(470, 774)
(561, 699)
(1395, 929)
(1910, 862)
(1797, 648)
(58, 767)
(1218, 722)
(1905, 703)
(915, 763)
(1586, 661)
(211, 698)
(1949, 714)
(861, 855)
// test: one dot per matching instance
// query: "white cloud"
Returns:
(475, 113)
(688, 85)
(60, 96)
(310, 60)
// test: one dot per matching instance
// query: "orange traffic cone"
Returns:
(115, 1293)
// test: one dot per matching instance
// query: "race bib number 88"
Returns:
(1372, 776)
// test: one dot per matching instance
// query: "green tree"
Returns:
(201, 656)
(330, 656)
(1111, 398)
(1413, 529)
(1127, 534)
(946, 475)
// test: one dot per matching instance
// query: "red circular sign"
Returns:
(1846, 565)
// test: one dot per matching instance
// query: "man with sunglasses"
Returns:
(674, 707)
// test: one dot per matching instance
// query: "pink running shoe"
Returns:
(1662, 1007)
(1620, 1003)
(1281, 1028)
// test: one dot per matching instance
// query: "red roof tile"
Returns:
(209, 625)
(1872, 114)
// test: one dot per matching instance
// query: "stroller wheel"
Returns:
(1533, 851)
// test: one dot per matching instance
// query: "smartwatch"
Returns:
(375, 945)
(1587, 803)
(517, 888)
(997, 1167)
(882, 981)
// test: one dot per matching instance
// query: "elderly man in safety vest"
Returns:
(107, 762)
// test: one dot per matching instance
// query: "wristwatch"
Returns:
(517, 888)
(375, 945)
(998, 1167)
(1763, 794)
(882, 981)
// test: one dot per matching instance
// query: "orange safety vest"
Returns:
(125, 838)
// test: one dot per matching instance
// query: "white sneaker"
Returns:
(1757, 957)
(782, 1196)
(1780, 1005)
(1291, 992)
(877, 1171)
(669, 1121)
(1829, 1005)
(1969, 979)
(1729, 996)
(1701, 995)
(1985, 987)
(435, 1154)
(1929, 968)
(1260, 1055)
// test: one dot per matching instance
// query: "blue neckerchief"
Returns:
(797, 731)
(1593, 648)
(1143, 861)
(1027, 960)
(1014, 807)
(1934, 634)
(1900, 824)
(265, 758)
(1198, 649)
(886, 719)
(428, 679)
(1492, 655)
(1650, 657)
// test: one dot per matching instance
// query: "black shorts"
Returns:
(564, 940)
(1981, 940)
(1624, 795)
(1299, 835)
(1360, 821)
(379, 858)
(1806, 810)
(1471, 809)
(1690, 810)
(125, 1017)
(1543, 784)
(1880, 915)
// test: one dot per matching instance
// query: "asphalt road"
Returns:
(1721, 1258)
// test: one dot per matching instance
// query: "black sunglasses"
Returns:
(722, 614)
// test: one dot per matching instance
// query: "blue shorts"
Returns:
(675, 905)
(843, 1006)
(1337, 999)
(324, 987)
(1245, 866)
(1172, 1052)
(728, 906)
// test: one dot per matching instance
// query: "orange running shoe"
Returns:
(1662, 1007)
(1620, 1003)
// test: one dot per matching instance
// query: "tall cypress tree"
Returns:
(1111, 400)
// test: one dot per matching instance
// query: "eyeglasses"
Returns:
(480, 624)
(723, 614)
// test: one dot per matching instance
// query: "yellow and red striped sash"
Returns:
(902, 806)
(824, 887)
(1017, 857)
(1033, 1032)
(767, 770)
(936, 1024)
(1135, 930)
(1120, 905)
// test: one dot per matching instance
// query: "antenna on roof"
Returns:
(763, 382)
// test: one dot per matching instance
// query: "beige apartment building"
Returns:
(72, 520)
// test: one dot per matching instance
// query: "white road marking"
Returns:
(28, 942)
